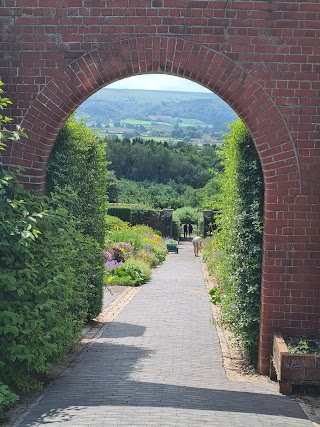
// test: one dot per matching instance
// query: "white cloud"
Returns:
(158, 82)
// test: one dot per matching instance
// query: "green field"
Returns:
(192, 117)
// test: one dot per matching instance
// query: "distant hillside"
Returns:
(113, 105)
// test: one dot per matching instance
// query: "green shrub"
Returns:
(123, 213)
(113, 222)
(235, 251)
(176, 228)
(43, 293)
(78, 163)
(6, 397)
(133, 272)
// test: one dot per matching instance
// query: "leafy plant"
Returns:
(78, 164)
(298, 345)
(44, 261)
(234, 253)
(6, 397)
(215, 295)
(132, 273)
(43, 297)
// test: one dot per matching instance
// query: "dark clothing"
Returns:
(185, 230)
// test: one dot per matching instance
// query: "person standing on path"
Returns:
(196, 241)
(185, 231)
(190, 229)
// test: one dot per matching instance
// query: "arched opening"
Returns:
(83, 77)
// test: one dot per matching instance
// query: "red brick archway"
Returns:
(84, 76)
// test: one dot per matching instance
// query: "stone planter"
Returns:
(292, 369)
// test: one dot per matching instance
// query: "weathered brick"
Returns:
(254, 55)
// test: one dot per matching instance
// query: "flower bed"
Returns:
(130, 253)
(291, 368)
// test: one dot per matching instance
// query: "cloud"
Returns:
(158, 82)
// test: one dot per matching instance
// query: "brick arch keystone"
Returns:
(211, 69)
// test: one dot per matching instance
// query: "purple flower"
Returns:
(112, 264)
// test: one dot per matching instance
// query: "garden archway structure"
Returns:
(282, 243)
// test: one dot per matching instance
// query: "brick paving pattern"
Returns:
(159, 363)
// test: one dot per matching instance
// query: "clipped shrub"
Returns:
(43, 296)
(235, 250)
(150, 217)
(123, 213)
(113, 223)
(78, 162)
(176, 228)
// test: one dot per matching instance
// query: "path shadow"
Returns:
(106, 378)
(123, 330)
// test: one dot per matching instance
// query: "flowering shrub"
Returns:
(129, 254)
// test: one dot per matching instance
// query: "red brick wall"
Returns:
(261, 57)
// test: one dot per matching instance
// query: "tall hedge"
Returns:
(43, 293)
(43, 279)
(78, 162)
(237, 243)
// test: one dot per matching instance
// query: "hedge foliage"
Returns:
(121, 212)
(44, 260)
(234, 253)
(78, 163)
(43, 297)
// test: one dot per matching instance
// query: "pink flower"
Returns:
(107, 255)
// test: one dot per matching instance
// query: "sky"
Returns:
(158, 82)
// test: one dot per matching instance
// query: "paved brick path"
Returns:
(159, 364)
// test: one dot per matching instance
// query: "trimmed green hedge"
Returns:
(235, 252)
(123, 213)
(78, 163)
(44, 291)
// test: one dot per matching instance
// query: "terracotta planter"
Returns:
(292, 369)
